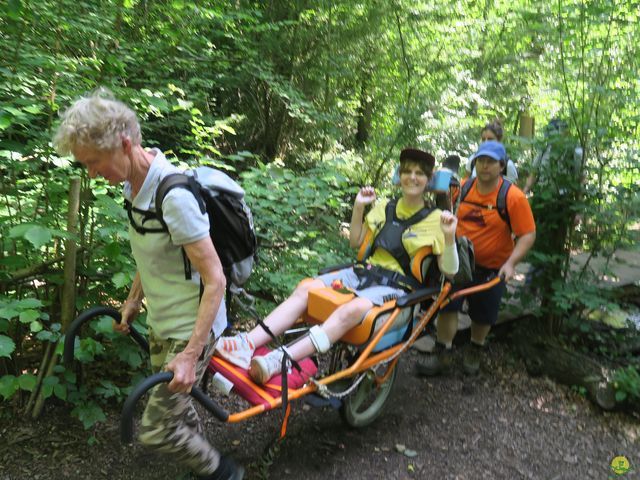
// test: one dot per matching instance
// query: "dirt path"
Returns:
(501, 425)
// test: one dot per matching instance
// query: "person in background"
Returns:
(382, 279)
(560, 157)
(555, 187)
(493, 131)
(496, 253)
(103, 134)
(443, 199)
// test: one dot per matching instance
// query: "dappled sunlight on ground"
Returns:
(542, 403)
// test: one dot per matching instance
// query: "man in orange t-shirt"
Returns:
(496, 253)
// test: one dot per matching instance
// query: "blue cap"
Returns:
(491, 149)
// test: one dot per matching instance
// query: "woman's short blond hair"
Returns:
(98, 121)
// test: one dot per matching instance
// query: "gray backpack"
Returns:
(230, 220)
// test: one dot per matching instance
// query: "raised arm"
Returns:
(448, 261)
(357, 231)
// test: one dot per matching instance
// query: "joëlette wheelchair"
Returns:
(361, 367)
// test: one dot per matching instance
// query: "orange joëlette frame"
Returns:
(362, 332)
(366, 360)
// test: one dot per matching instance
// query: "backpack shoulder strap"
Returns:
(177, 180)
(501, 201)
(390, 236)
(146, 215)
(390, 211)
(420, 215)
(466, 188)
(168, 183)
(391, 214)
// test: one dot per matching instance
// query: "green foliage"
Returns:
(588, 205)
(8, 386)
(626, 382)
(27, 382)
(580, 390)
(7, 346)
(99, 346)
(260, 468)
(298, 220)
(89, 413)
(303, 102)
(22, 315)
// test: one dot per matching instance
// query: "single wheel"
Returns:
(365, 404)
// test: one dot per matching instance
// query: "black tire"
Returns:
(364, 405)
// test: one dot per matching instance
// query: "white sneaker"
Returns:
(237, 349)
(265, 367)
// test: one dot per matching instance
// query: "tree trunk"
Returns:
(365, 111)
(542, 355)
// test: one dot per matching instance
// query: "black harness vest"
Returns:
(390, 239)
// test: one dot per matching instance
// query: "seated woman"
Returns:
(425, 226)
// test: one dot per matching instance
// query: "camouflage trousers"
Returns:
(170, 423)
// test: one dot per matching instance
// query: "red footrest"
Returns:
(265, 394)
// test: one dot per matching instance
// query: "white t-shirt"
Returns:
(172, 300)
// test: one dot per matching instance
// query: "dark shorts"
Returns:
(483, 306)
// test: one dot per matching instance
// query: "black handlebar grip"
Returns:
(416, 297)
(90, 314)
(126, 420)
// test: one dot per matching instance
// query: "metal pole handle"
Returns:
(126, 420)
(90, 314)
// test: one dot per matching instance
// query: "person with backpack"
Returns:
(490, 210)
(493, 131)
(400, 227)
(559, 162)
(184, 316)
(555, 187)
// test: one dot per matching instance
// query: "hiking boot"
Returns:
(439, 362)
(237, 349)
(264, 367)
(227, 470)
(471, 358)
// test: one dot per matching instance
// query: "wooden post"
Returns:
(68, 301)
(527, 125)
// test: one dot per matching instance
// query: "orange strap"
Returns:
(285, 420)
(366, 243)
